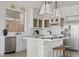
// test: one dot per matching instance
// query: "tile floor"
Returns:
(23, 54)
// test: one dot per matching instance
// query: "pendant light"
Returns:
(47, 9)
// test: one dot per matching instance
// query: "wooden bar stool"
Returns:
(67, 52)
(58, 50)
(66, 45)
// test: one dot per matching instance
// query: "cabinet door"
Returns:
(40, 23)
(20, 44)
(46, 23)
(62, 22)
(34, 22)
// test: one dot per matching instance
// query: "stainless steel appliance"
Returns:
(10, 45)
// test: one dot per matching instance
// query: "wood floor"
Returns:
(17, 54)
(23, 54)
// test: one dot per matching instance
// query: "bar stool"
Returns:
(66, 45)
(67, 51)
(58, 51)
(66, 48)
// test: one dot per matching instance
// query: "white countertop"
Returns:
(9, 36)
(12, 35)
(32, 38)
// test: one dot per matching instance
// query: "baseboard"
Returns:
(9, 52)
(74, 50)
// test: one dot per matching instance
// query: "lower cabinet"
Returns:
(20, 44)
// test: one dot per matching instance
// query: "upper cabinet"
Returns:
(55, 22)
(58, 22)
(37, 23)
(40, 23)
(14, 21)
(62, 22)
(46, 23)
(34, 22)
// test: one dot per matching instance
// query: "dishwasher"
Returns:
(10, 45)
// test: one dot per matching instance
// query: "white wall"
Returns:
(2, 45)
(3, 6)
(29, 20)
(2, 40)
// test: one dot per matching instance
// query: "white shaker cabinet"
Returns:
(20, 44)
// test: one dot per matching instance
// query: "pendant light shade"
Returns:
(50, 9)
(45, 8)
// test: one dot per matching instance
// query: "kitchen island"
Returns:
(38, 47)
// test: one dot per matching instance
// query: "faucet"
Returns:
(50, 32)
(18, 33)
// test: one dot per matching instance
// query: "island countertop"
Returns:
(46, 39)
(38, 47)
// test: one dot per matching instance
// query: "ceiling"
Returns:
(37, 4)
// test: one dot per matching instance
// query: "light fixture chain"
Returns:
(55, 4)
(55, 13)
(60, 11)
(45, 7)
(41, 7)
(53, 8)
